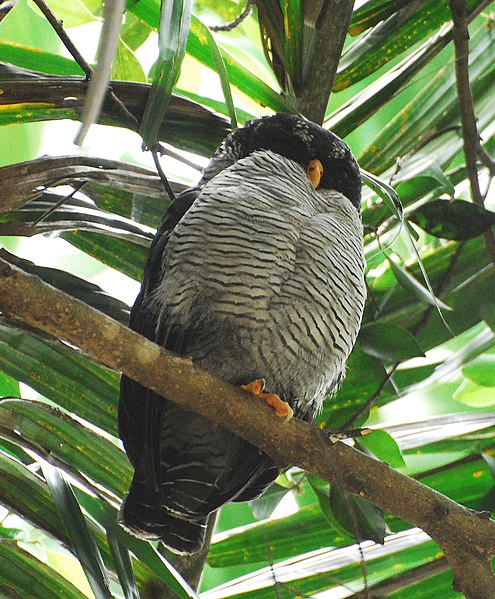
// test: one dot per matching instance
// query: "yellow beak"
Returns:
(315, 172)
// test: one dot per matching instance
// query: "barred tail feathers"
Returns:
(143, 514)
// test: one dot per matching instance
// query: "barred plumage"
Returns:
(254, 274)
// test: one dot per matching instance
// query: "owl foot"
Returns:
(282, 408)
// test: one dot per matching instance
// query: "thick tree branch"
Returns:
(470, 134)
(468, 541)
(332, 25)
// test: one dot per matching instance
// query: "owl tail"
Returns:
(143, 514)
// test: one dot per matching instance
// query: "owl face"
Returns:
(297, 139)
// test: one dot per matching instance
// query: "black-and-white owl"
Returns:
(256, 273)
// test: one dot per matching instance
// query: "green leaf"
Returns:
(126, 67)
(425, 170)
(21, 572)
(134, 32)
(487, 312)
(76, 13)
(8, 386)
(61, 374)
(23, 24)
(264, 506)
(389, 342)
(474, 395)
(220, 107)
(294, 53)
(76, 448)
(435, 107)
(144, 551)
(125, 256)
(37, 60)
(373, 12)
(197, 46)
(123, 565)
(392, 37)
(26, 494)
(82, 540)
(221, 71)
(481, 370)
(457, 219)
(11, 534)
(359, 517)
(384, 447)
(175, 17)
(145, 209)
(239, 76)
(322, 491)
(363, 105)
(384, 191)
(406, 280)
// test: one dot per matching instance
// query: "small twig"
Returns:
(398, 166)
(470, 134)
(168, 188)
(65, 39)
(486, 159)
(373, 299)
(344, 434)
(6, 7)
(122, 111)
(488, 186)
(269, 555)
(77, 187)
(371, 400)
(237, 21)
(163, 151)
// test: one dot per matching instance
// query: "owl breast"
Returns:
(269, 275)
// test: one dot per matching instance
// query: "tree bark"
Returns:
(332, 25)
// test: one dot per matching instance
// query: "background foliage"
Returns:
(422, 373)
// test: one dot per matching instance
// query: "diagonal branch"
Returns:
(470, 134)
(467, 540)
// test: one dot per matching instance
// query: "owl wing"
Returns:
(139, 420)
(215, 466)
